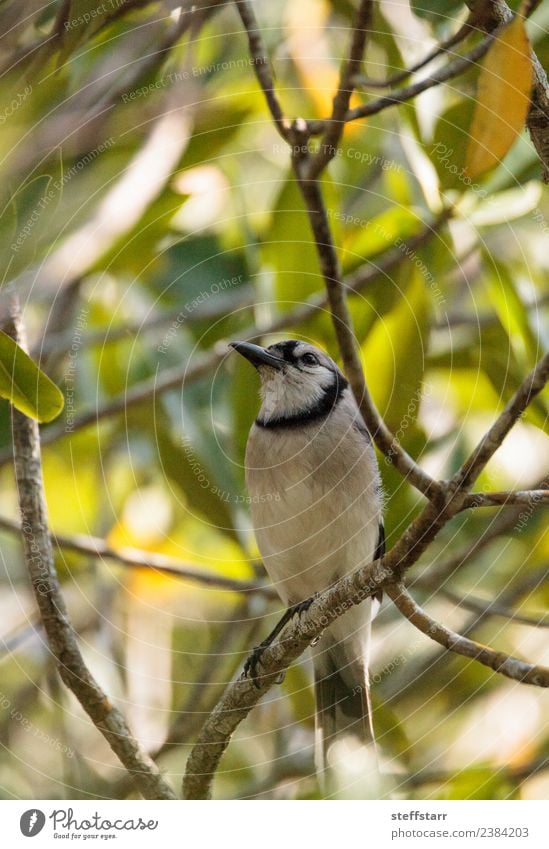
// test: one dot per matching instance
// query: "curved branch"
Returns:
(490, 608)
(137, 559)
(334, 128)
(448, 72)
(261, 65)
(57, 625)
(488, 445)
(511, 667)
(506, 499)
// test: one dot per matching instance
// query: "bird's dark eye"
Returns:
(309, 360)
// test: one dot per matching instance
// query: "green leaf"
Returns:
(24, 385)
(435, 11)
(449, 145)
(289, 249)
(191, 473)
(84, 17)
(395, 353)
(513, 314)
(368, 238)
(23, 219)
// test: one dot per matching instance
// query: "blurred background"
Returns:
(148, 216)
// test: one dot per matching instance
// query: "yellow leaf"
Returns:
(503, 98)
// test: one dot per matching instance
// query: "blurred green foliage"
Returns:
(148, 214)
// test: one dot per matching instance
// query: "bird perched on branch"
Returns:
(316, 505)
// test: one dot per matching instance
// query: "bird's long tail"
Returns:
(343, 705)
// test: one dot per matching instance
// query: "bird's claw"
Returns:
(302, 606)
(253, 661)
(250, 667)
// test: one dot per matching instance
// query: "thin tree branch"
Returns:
(492, 608)
(137, 559)
(530, 387)
(511, 667)
(462, 33)
(341, 318)
(448, 72)
(334, 129)
(506, 499)
(262, 66)
(411, 674)
(57, 626)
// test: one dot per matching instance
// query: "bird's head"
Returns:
(299, 383)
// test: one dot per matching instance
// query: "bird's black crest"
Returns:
(285, 350)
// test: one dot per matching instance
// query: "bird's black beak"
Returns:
(256, 355)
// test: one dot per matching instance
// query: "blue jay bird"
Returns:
(316, 505)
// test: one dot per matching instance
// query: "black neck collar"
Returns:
(330, 399)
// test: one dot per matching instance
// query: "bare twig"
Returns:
(448, 72)
(137, 559)
(492, 608)
(58, 628)
(341, 317)
(511, 667)
(491, 441)
(261, 65)
(350, 70)
(462, 33)
(507, 499)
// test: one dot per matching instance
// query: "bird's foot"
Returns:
(252, 663)
(250, 667)
(302, 606)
